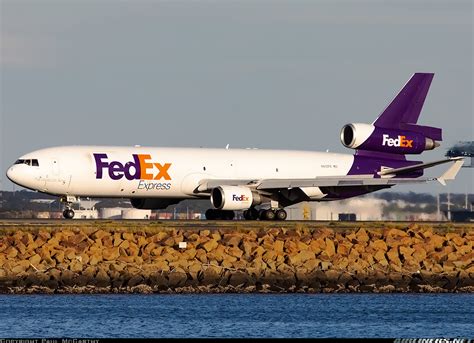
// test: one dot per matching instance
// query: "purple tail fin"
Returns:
(395, 132)
(404, 110)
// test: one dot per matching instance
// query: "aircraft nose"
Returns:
(18, 175)
(11, 174)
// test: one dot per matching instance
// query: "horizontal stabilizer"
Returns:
(409, 169)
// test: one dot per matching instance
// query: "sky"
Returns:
(266, 74)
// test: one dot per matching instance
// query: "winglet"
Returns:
(451, 173)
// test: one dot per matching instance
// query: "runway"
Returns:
(206, 223)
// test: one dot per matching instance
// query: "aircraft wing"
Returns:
(340, 181)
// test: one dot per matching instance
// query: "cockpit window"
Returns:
(33, 162)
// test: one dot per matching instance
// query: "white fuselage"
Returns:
(164, 172)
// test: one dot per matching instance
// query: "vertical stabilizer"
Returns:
(406, 106)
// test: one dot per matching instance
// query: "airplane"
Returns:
(244, 179)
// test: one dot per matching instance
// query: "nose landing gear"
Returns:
(68, 213)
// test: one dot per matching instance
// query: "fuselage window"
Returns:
(28, 162)
(35, 163)
(20, 161)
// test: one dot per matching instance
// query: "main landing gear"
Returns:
(250, 214)
(269, 214)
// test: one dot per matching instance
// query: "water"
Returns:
(238, 315)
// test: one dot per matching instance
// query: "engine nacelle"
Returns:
(369, 137)
(234, 198)
(152, 203)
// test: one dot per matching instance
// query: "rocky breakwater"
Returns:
(90, 259)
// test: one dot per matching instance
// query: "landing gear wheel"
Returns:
(68, 213)
(281, 214)
(267, 215)
(212, 214)
(251, 214)
(228, 215)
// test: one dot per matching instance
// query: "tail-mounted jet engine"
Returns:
(369, 137)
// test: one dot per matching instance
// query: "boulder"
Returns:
(393, 256)
(209, 276)
(157, 238)
(133, 249)
(99, 234)
(76, 266)
(128, 236)
(189, 254)
(35, 260)
(216, 236)
(124, 244)
(330, 248)
(21, 248)
(290, 247)
(301, 246)
(231, 240)
(343, 248)
(317, 246)
(258, 251)
(238, 279)
(464, 249)
(195, 267)
(312, 264)
(325, 265)
(362, 236)
(380, 256)
(406, 251)
(379, 245)
(169, 242)
(110, 254)
(436, 240)
(142, 241)
(397, 233)
(11, 252)
(102, 279)
(108, 242)
(201, 255)
(95, 258)
(210, 245)
(278, 246)
(458, 240)
(157, 251)
(135, 280)
(235, 251)
(419, 254)
(204, 233)
(20, 267)
(269, 256)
